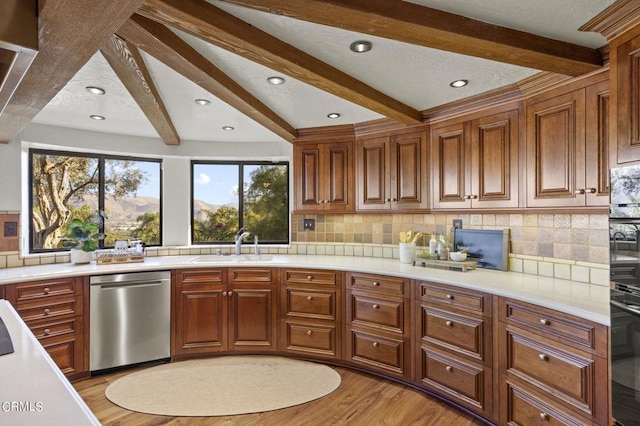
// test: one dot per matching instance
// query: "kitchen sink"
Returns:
(233, 258)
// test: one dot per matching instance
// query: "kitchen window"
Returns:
(68, 185)
(227, 196)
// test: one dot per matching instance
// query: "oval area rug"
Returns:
(223, 386)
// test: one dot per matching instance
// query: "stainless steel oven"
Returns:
(624, 232)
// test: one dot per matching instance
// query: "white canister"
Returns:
(407, 252)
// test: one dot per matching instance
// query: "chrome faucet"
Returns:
(240, 235)
(615, 241)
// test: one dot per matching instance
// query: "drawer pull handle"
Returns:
(544, 321)
(449, 323)
(309, 277)
(309, 332)
(47, 311)
(543, 357)
(449, 296)
(376, 306)
(544, 416)
(46, 290)
(376, 283)
(449, 368)
(46, 331)
(375, 344)
(309, 298)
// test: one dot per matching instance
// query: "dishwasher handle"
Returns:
(130, 284)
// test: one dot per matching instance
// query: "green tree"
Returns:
(266, 209)
(148, 229)
(217, 226)
(60, 181)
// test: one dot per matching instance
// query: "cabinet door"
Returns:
(555, 151)
(253, 317)
(408, 174)
(337, 177)
(450, 167)
(597, 144)
(494, 161)
(307, 177)
(201, 325)
(625, 69)
(373, 174)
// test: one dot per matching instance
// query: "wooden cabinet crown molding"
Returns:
(325, 134)
(621, 16)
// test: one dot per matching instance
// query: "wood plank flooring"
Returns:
(361, 399)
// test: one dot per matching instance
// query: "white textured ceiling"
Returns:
(414, 75)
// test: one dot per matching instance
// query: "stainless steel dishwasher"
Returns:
(130, 319)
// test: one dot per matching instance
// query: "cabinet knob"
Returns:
(394, 199)
(449, 323)
(388, 200)
(544, 321)
(309, 298)
(544, 416)
(47, 311)
(309, 277)
(46, 290)
(375, 344)
(224, 293)
(543, 357)
(230, 293)
(376, 283)
(592, 190)
(309, 332)
(580, 191)
(467, 197)
(449, 296)
(449, 368)
(474, 197)
(46, 331)
(376, 306)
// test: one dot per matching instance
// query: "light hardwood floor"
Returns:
(361, 399)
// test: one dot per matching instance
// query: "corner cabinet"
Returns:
(567, 143)
(324, 177)
(54, 311)
(475, 162)
(392, 172)
(220, 310)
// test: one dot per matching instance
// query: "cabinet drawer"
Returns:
(27, 293)
(567, 374)
(311, 304)
(387, 314)
(66, 351)
(54, 309)
(520, 407)
(379, 283)
(451, 296)
(464, 335)
(311, 276)
(47, 328)
(381, 352)
(311, 338)
(563, 328)
(252, 275)
(201, 276)
(464, 382)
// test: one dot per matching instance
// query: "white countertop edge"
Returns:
(584, 300)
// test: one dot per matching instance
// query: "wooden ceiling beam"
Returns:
(424, 26)
(70, 33)
(128, 64)
(164, 45)
(212, 24)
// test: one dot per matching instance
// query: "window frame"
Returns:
(241, 164)
(101, 193)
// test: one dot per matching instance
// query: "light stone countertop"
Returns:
(587, 301)
(33, 390)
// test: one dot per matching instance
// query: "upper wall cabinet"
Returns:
(567, 145)
(324, 177)
(392, 172)
(475, 162)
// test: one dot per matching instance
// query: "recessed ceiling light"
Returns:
(360, 46)
(97, 117)
(95, 90)
(459, 83)
(202, 102)
(228, 128)
(333, 115)
(276, 81)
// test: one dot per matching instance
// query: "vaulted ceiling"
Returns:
(154, 58)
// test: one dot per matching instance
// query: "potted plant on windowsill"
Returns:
(83, 238)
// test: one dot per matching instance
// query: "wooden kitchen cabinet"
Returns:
(567, 145)
(311, 312)
(378, 326)
(475, 161)
(391, 172)
(56, 311)
(454, 345)
(219, 310)
(324, 177)
(552, 366)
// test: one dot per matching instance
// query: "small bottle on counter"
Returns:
(433, 244)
